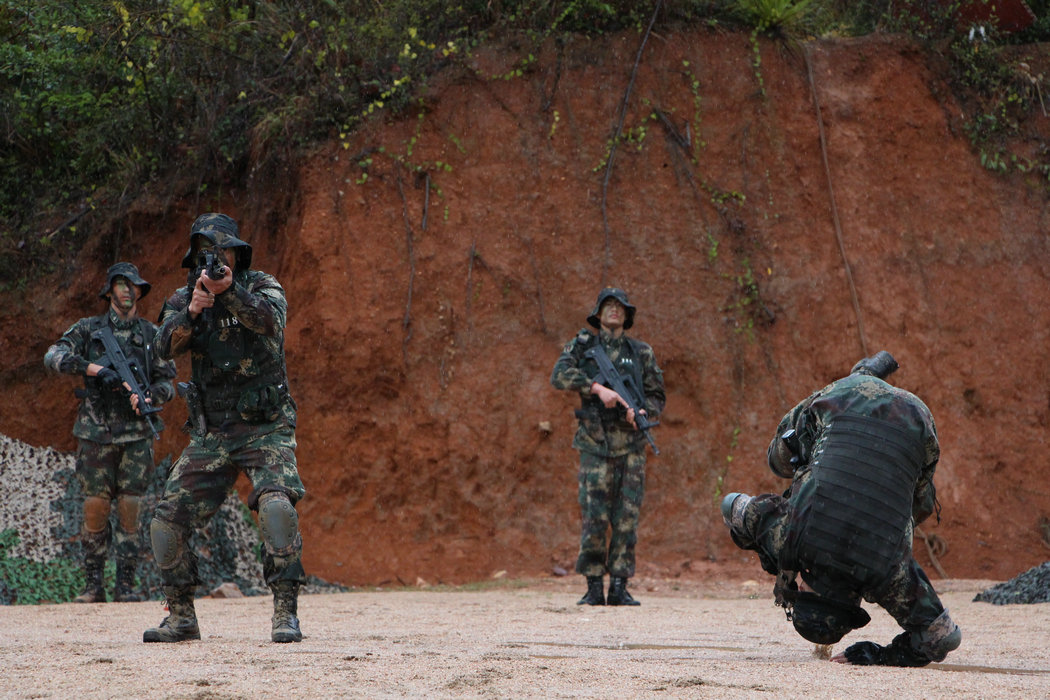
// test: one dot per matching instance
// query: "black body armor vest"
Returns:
(856, 522)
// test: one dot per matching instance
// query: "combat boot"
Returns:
(618, 594)
(285, 610)
(181, 622)
(595, 594)
(124, 591)
(93, 590)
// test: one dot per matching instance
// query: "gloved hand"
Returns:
(109, 378)
(898, 653)
(70, 364)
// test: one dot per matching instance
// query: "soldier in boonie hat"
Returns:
(128, 272)
(219, 231)
(114, 440)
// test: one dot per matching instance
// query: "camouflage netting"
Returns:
(40, 552)
(1033, 586)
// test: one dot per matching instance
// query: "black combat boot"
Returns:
(93, 590)
(285, 611)
(124, 591)
(181, 622)
(595, 594)
(618, 594)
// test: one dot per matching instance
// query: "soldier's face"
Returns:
(612, 315)
(123, 294)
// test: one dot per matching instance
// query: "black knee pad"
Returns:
(167, 542)
(279, 524)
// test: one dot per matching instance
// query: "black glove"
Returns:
(898, 653)
(71, 364)
(109, 378)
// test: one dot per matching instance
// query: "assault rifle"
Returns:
(625, 387)
(211, 265)
(129, 372)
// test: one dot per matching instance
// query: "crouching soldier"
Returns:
(861, 456)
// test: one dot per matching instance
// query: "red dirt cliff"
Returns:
(424, 323)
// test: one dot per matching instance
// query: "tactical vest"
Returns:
(864, 472)
(236, 372)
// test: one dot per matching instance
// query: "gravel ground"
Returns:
(700, 639)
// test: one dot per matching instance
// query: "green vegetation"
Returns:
(104, 101)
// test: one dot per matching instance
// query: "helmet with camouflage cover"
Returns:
(222, 232)
(611, 293)
(128, 272)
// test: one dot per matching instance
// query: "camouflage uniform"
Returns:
(612, 452)
(242, 418)
(780, 528)
(115, 445)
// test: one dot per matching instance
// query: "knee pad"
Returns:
(128, 513)
(279, 524)
(167, 543)
(96, 514)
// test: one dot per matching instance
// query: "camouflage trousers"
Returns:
(206, 471)
(905, 593)
(120, 471)
(611, 491)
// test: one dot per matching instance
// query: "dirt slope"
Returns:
(424, 323)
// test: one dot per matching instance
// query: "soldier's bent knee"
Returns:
(128, 512)
(167, 543)
(279, 524)
(96, 513)
(939, 638)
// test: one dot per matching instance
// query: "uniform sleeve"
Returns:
(162, 372)
(924, 502)
(176, 327)
(777, 456)
(567, 374)
(653, 381)
(261, 307)
(66, 356)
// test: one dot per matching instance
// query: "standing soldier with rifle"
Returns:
(230, 318)
(622, 393)
(125, 382)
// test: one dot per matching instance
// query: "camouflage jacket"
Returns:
(236, 347)
(602, 431)
(106, 416)
(863, 394)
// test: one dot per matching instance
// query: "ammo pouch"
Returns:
(262, 404)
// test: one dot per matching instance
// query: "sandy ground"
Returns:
(722, 640)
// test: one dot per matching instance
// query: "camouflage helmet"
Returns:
(128, 272)
(222, 231)
(880, 365)
(823, 620)
(611, 293)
